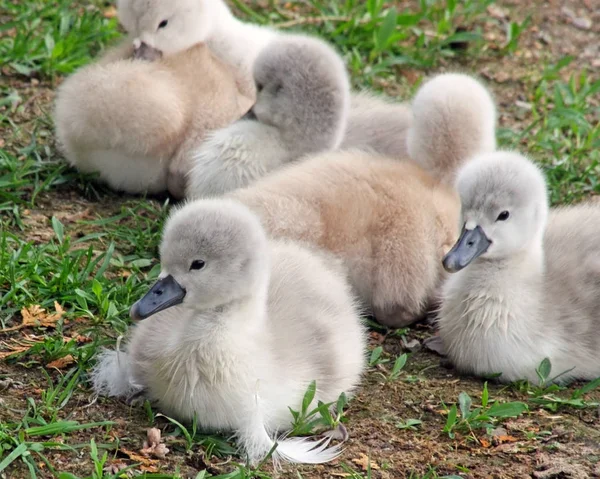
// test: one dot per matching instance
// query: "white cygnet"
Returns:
(237, 328)
(526, 281)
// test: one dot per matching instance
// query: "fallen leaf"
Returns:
(13, 350)
(502, 439)
(363, 462)
(81, 339)
(61, 363)
(110, 12)
(485, 442)
(145, 461)
(35, 315)
(145, 468)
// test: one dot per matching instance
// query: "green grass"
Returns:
(51, 38)
(97, 265)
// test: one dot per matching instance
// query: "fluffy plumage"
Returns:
(530, 283)
(259, 321)
(378, 125)
(390, 221)
(192, 21)
(460, 122)
(301, 108)
(135, 122)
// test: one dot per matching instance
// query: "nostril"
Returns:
(158, 292)
(470, 243)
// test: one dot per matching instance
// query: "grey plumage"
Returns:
(531, 290)
(258, 322)
(378, 125)
(301, 108)
(390, 220)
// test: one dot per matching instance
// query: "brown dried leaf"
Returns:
(35, 315)
(363, 462)
(61, 363)
(145, 461)
(13, 350)
(110, 12)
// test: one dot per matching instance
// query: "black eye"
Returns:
(163, 24)
(503, 216)
(197, 264)
(259, 87)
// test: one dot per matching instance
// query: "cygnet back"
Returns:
(378, 125)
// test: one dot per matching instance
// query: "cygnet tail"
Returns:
(257, 443)
(113, 376)
(454, 119)
(307, 450)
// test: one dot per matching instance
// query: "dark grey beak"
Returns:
(471, 244)
(165, 293)
(249, 115)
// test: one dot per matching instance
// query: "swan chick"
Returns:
(390, 221)
(135, 122)
(303, 96)
(524, 278)
(459, 114)
(237, 328)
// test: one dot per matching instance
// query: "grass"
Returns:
(74, 256)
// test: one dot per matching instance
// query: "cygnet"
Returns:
(237, 328)
(390, 221)
(134, 122)
(303, 94)
(526, 281)
(374, 124)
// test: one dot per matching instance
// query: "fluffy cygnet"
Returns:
(526, 282)
(134, 122)
(238, 326)
(301, 108)
(390, 221)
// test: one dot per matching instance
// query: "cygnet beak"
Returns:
(249, 115)
(165, 293)
(471, 244)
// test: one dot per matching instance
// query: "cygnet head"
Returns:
(213, 253)
(167, 26)
(504, 208)
(303, 90)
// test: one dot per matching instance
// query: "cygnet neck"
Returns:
(524, 265)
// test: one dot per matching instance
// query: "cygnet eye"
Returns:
(503, 216)
(197, 264)
(163, 24)
(259, 87)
